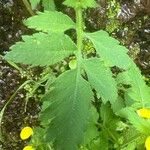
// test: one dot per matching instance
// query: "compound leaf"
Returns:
(69, 110)
(41, 49)
(83, 3)
(100, 77)
(50, 21)
(109, 49)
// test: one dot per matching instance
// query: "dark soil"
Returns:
(15, 118)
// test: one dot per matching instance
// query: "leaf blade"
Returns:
(48, 5)
(41, 49)
(109, 49)
(69, 110)
(100, 77)
(50, 21)
(139, 91)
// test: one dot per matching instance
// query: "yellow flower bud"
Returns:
(144, 113)
(28, 148)
(26, 132)
(147, 143)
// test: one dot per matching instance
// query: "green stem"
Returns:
(79, 29)
(28, 6)
(8, 102)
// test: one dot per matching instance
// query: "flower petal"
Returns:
(26, 132)
(147, 143)
(144, 113)
(28, 148)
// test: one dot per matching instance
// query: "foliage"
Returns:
(82, 3)
(56, 47)
(47, 4)
(56, 22)
(34, 3)
(84, 107)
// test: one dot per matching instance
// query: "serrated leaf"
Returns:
(100, 143)
(107, 116)
(100, 77)
(141, 125)
(92, 131)
(139, 91)
(118, 105)
(70, 103)
(109, 49)
(34, 3)
(130, 134)
(50, 21)
(83, 3)
(110, 122)
(41, 49)
(48, 5)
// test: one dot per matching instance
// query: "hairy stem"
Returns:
(79, 29)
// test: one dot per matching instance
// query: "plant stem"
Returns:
(8, 102)
(28, 6)
(79, 29)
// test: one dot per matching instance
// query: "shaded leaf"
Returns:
(48, 5)
(34, 3)
(139, 91)
(92, 131)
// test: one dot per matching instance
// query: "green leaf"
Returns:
(110, 122)
(141, 125)
(100, 77)
(107, 115)
(69, 110)
(92, 131)
(50, 21)
(100, 143)
(34, 3)
(41, 49)
(131, 135)
(83, 3)
(130, 146)
(48, 5)
(139, 91)
(109, 49)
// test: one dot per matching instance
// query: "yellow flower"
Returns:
(26, 132)
(144, 113)
(147, 143)
(28, 148)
